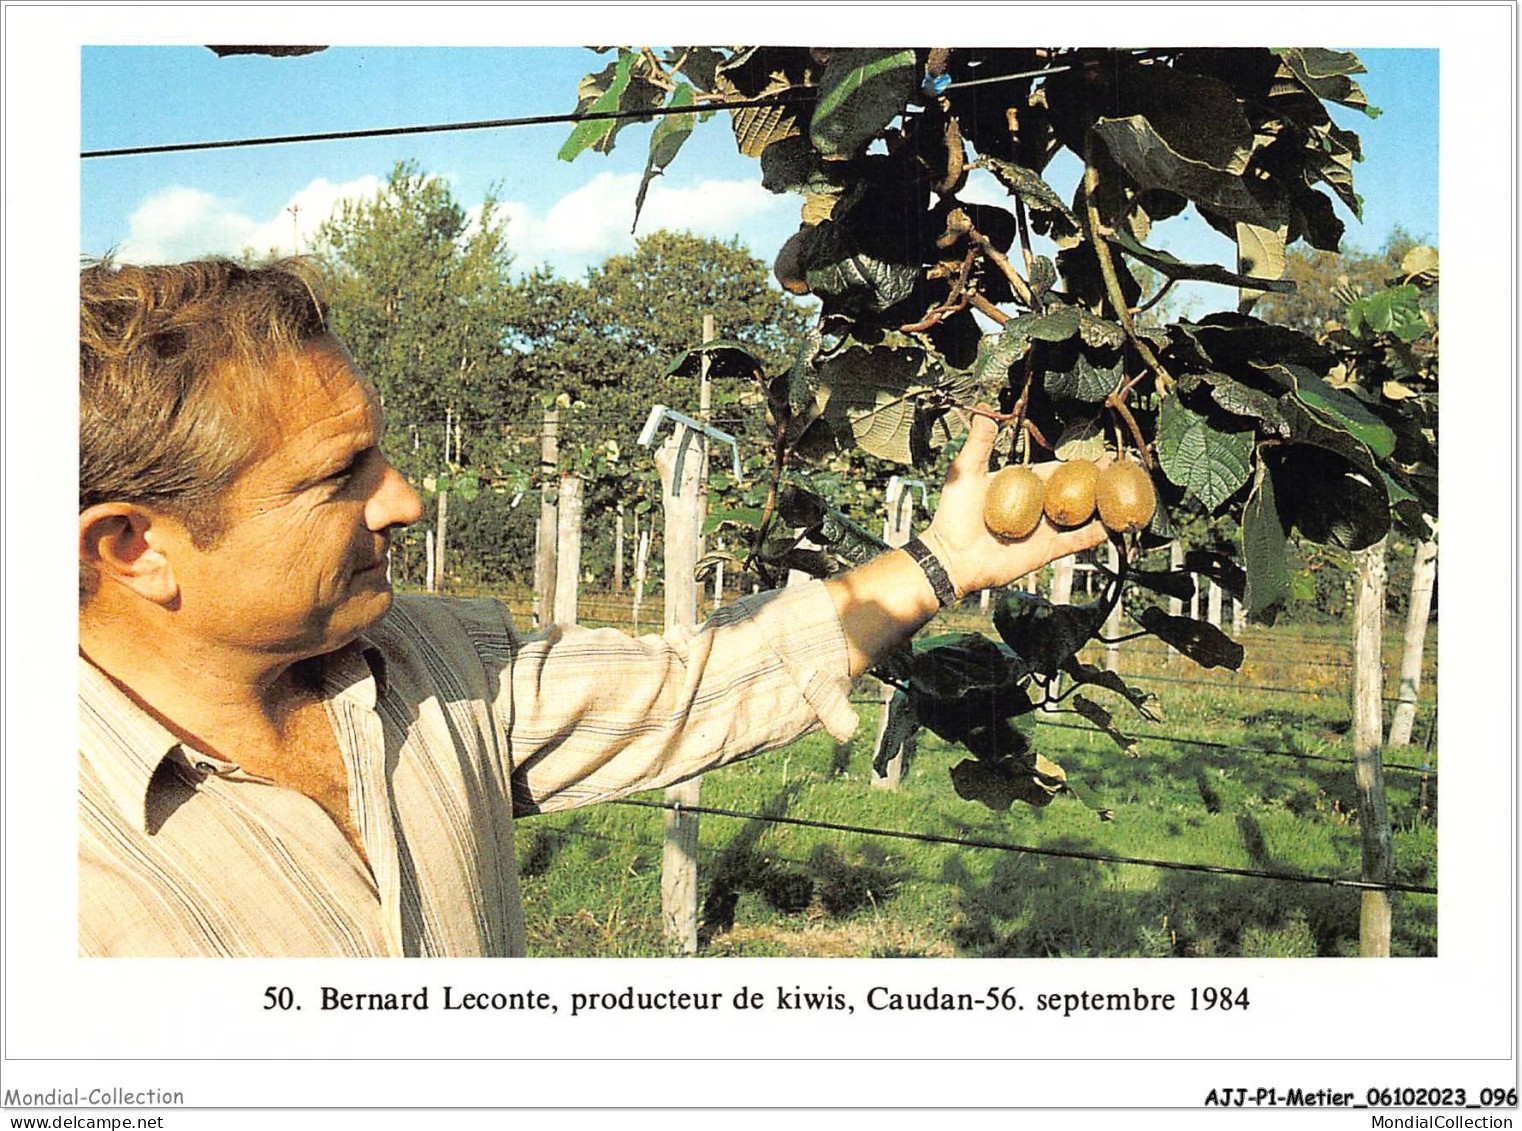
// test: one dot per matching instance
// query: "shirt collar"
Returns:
(125, 745)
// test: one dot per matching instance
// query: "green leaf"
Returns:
(1201, 641)
(996, 353)
(1101, 718)
(1264, 539)
(611, 83)
(1394, 311)
(1191, 139)
(1057, 326)
(1239, 399)
(726, 358)
(1198, 457)
(1049, 215)
(1085, 381)
(872, 395)
(748, 517)
(1045, 635)
(1325, 74)
(902, 722)
(1337, 409)
(1178, 585)
(1219, 568)
(1260, 256)
(669, 134)
(1145, 702)
(1175, 268)
(860, 92)
(1328, 497)
(837, 268)
(467, 485)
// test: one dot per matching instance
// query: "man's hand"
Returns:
(883, 603)
(976, 559)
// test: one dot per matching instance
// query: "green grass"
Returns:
(591, 878)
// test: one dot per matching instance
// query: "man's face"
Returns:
(301, 566)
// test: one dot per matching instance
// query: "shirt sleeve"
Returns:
(587, 715)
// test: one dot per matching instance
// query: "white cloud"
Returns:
(592, 222)
(180, 223)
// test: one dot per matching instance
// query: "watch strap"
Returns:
(935, 571)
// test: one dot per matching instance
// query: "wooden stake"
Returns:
(1112, 622)
(1368, 762)
(1423, 577)
(548, 535)
(568, 549)
(679, 852)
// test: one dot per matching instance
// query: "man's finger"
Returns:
(979, 444)
(1082, 538)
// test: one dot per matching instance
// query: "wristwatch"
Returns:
(935, 572)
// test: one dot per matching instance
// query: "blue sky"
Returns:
(566, 215)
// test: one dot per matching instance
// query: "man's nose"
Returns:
(395, 502)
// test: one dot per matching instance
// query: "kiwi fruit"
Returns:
(1125, 497)
(789, 266)
(1070, 493)
(1012, 508)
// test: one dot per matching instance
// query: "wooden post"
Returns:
(618, 551)
(428, 551)
(548, 537)
(641, 556)
(1112, 622)
(1423, 575)
(443, 525)
(1238, 617)
(1062, 580)
(568, 549)
(679, 853)
(1368, 763)
(897, 527)
(705, 416)
(1176, 563)
(1213, 612)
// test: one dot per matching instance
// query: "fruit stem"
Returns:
(997, 258)
(988, 308)
(1118, 406)
(1107, 268)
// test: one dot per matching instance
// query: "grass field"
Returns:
(591, 878)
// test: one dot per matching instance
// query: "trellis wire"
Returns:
(781, 99)
(1066, 853)
(1155, 737)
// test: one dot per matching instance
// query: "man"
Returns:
(277, 756)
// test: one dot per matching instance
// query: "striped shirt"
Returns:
(451, 723)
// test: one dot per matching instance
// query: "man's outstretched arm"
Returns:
(883, 603)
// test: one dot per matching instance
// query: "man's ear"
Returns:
(123, 543)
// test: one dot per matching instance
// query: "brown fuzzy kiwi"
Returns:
(789, 265)
(1070, 493)
(1125, 497)
(1012, 508)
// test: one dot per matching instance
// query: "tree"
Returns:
(1326, 281)
(607, 344)
(1237, 418)
(423, 298)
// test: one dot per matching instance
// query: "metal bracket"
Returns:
(689, 428)
(898, 484)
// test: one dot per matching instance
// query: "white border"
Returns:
(1452, 1018)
